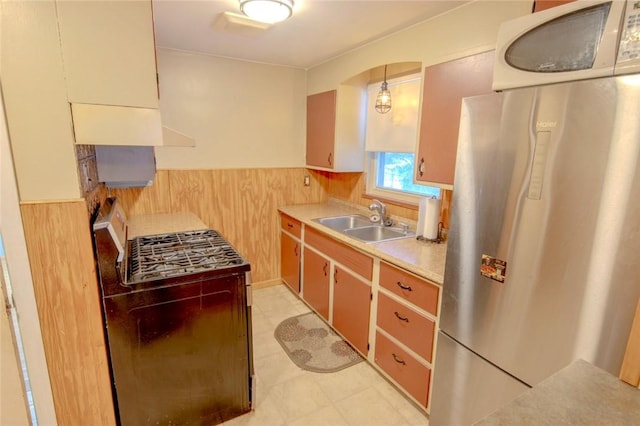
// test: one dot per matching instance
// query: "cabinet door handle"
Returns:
(335, 276)
(397, 359)
(421, 167)
(324, 268)
(404, 287)
(400, 317)
(295, 250)
(330, 158)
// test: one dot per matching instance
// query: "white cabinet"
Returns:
(108, 51)
(109, 59)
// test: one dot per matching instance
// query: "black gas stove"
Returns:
(177, 312)
(170, 255)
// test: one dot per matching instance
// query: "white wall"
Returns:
(21, 283)
(245, 114)
(241, 114)
(464, 31)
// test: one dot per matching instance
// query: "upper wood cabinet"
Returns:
(539, 5)
(108, 50)
(444, 87)
(335, 129)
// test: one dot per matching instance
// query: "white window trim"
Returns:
(372, 189)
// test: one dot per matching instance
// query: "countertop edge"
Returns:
(389, 251)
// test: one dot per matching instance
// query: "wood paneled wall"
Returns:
(630, 370)
(242, 204)
(65, 284)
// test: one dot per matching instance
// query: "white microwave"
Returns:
(575, 41)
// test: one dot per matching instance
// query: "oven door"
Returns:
(179, 353)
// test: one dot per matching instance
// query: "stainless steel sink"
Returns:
(340, 223)
(375, 233)
(361, 228)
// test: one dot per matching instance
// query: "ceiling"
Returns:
(319, 30)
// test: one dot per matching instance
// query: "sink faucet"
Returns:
(381, 208)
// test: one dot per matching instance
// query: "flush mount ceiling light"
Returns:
(383, 100)
(269, 11)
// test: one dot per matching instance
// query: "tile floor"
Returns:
(288, 395)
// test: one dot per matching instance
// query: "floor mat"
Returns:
(312, 345)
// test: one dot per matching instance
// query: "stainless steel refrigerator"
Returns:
(543, 258)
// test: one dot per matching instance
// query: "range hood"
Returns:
(95, 124)
(125, 166)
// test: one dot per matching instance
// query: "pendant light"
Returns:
(383, 100)
(268, 11)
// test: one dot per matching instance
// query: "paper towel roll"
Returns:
(422, 207)
(431, 218)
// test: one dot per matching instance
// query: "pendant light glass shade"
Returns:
(383, 100)
(269, 11)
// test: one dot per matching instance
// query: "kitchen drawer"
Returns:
(406, 325)
(411, 288)
(290, 225)
(403, 368)
(358, 262)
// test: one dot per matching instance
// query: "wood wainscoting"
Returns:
(242, 204)
(58, 239)
(630, 370)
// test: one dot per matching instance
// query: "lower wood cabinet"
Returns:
(387, 313)
(405, 329)
(290, 251)
(408, 326)
(403, 367)
(316, 275)
(351, 306)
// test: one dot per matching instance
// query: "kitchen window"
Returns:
(391, 140)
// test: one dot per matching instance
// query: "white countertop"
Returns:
(422, 258)
(163, 223)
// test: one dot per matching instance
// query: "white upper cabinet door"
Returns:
(108, 50)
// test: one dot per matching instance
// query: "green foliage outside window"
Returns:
(395, 172)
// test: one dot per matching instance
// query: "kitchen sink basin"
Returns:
(375, 233)
(361, 228)
(340, 223)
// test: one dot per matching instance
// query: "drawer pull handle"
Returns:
(400, 317)
(397, 359)
(289, 225)
(404, 287)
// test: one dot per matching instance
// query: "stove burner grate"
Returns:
(170, 255)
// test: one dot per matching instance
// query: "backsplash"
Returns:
(88, 174)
